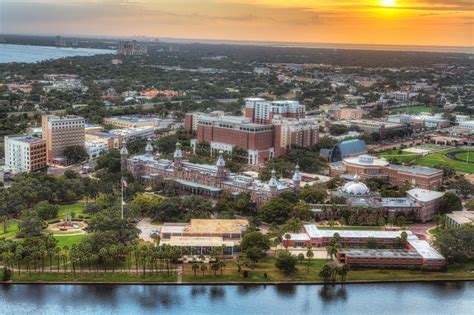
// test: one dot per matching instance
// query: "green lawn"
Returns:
(402, 158)
(12, 229)
(441, 158)
(69, 240)
(100, 277)
(267, 266)
(436, 231)
(76, 208)
(412, 109)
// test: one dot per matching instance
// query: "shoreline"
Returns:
(233, 282)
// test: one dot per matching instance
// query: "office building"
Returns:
(368, 167)
(133, 133)
(266, 130)
(415, 253)
(130, 121)
(60, 133)
(25, 153)
(260, 111)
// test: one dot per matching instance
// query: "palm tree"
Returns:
(156, 238)
(221, 265)
(276, 242)
(113, 255)
(287, 238)
(195, 268)
(57, 253)
(215, 267)
(103, 253)
(326, 273)
(309, 255)
(66, 250)
(203, 268)
(343, 271)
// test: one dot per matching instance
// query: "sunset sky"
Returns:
(399, 22)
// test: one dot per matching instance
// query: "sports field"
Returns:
(435, 158)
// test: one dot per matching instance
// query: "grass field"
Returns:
(69, 240)
(12, 229)
(429, 160)
(412, 109)
(100, 277)
(264, 271)
(76, 208)
(464, 155)
(267, 266)
(441, 158)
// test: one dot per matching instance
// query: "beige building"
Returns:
(132, 122)
(346, 113)
(60, 133)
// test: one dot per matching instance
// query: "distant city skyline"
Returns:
(372, 22)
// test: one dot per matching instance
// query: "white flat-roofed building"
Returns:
(25, 153)
(459, 218)
(469, 124)
(95, 148)
(133, 133)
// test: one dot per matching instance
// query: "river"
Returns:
(390, 298)
(31, 54)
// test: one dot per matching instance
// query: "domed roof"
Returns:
(355, 188)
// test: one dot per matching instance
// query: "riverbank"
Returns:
(263, 273)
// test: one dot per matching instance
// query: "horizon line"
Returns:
(288, 44)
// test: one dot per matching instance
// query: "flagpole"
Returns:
(121, 204)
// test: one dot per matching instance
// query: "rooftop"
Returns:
(25, 139)
(314, 232)
(193, 241)
(132, 119)
(381, 253)
(416, 169)
(424, 195)
(366, 160)
(216, 226)
(424, 248)
(462, 217)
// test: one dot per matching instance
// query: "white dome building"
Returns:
(355, 188)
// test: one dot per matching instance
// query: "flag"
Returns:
(124, 183)
(123, 203)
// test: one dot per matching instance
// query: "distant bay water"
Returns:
(31, 54)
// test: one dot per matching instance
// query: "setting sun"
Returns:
(388, 3)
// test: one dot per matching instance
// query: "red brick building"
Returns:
(265, 131)
(371, 167)
(415, 254)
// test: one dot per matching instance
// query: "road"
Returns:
(59, 171)
(146, 227)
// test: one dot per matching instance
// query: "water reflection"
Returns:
(245, 289)
(333, 293)
(198, 290)
(286, 290)
(420, 298)
(217, 293)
